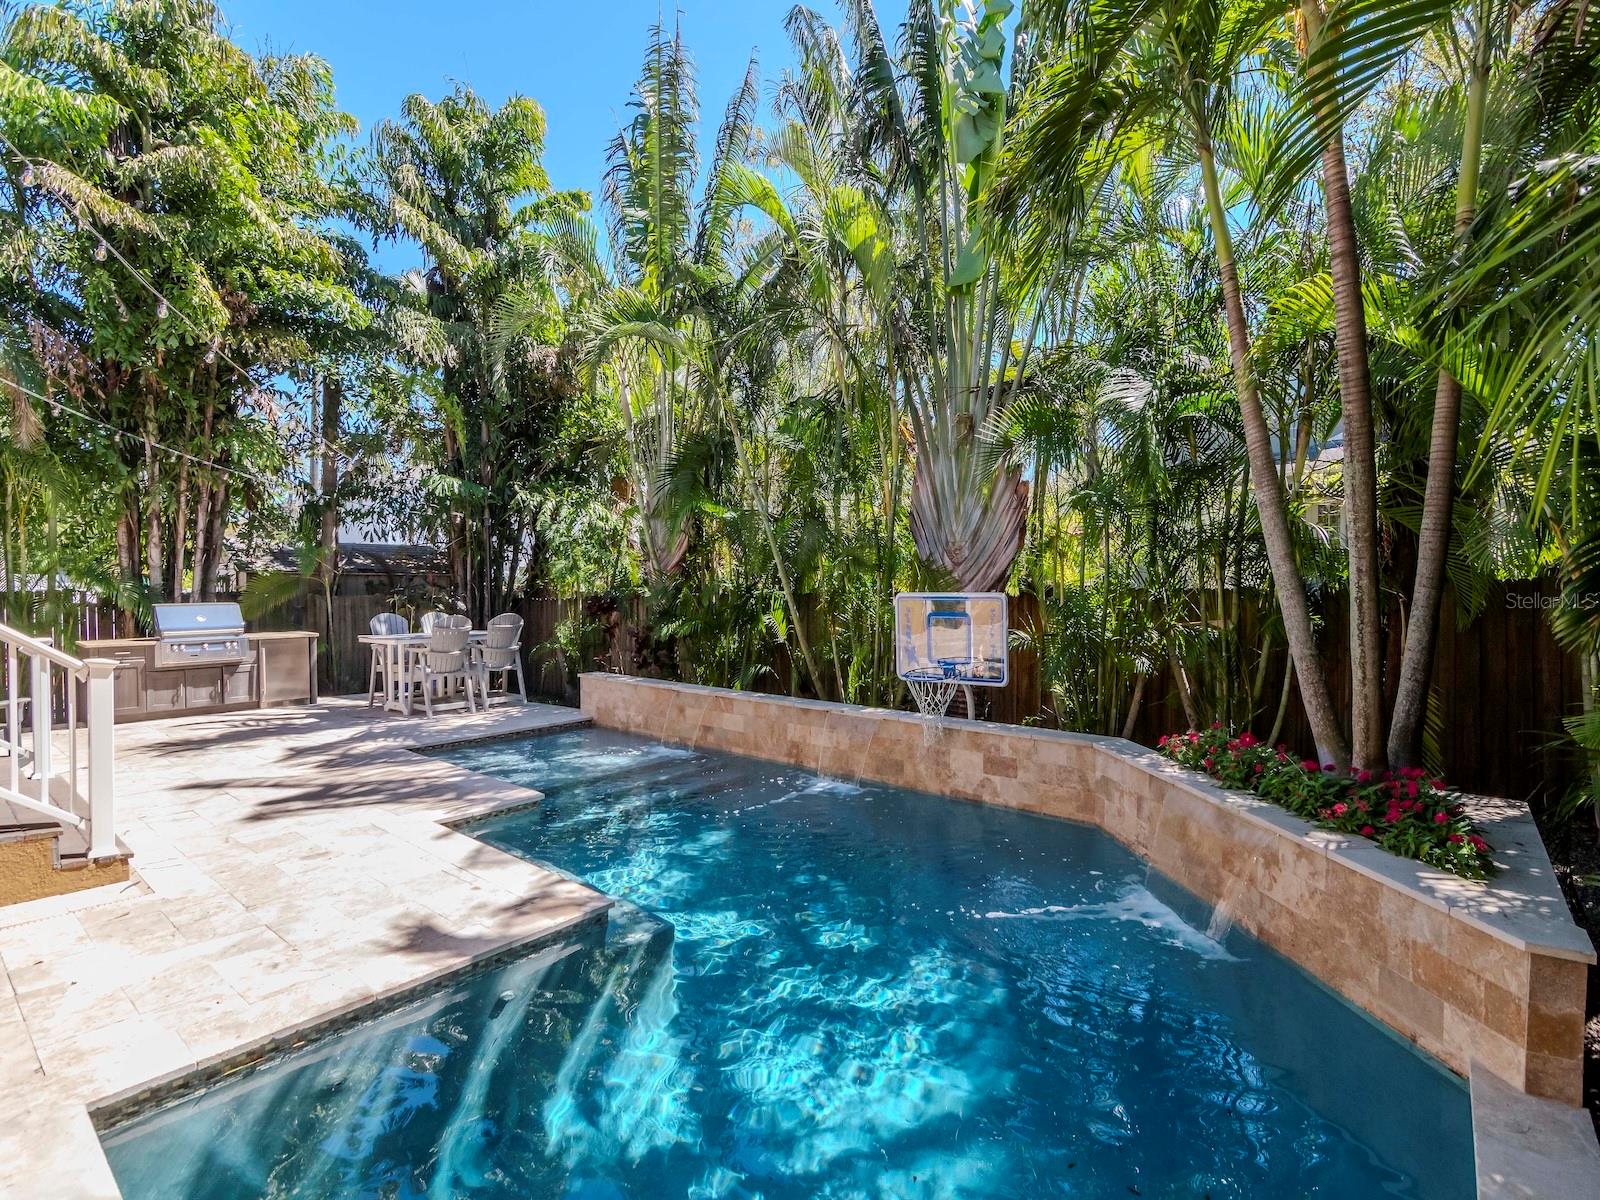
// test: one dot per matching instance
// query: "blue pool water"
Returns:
(822, 990)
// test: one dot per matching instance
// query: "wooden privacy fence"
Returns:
(1501, 687)
(1502, 684)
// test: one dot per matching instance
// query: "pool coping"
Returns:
(115, 1111)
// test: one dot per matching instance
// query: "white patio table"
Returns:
(398, 650)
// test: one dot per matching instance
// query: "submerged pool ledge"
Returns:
(1488, 973)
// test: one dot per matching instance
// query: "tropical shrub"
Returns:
(1403, 811)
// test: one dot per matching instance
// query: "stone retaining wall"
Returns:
(1469, 971)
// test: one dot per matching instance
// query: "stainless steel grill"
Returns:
(198, 635)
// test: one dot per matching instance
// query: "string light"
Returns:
(100, 252)
(163, 306)
(194, 458)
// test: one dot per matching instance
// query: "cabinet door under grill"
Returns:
(239, 683)
(202, 687)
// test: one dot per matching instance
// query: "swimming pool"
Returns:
(814, 989)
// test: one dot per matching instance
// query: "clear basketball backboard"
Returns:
(956, 636)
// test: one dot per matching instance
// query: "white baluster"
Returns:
(13, 716)
(39, 709)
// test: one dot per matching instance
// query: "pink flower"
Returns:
(1478, 844)
(1456, 839)
(1247, 739)
(1440, 818)
(1339, 810)
(1411, 789)
(1309, 765)
(1162, 740)
(1393, 814)
(1366, 831)
(1364, 776)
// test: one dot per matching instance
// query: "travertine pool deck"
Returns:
(291, 865)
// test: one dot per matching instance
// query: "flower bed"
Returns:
(1402, 811)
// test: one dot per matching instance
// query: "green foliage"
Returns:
(948, 310)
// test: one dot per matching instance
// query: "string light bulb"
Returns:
(28, 176)
(161, 310)
(211, 353)
(100, 252)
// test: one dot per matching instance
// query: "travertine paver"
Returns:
(1530, 1149)
(291, 865)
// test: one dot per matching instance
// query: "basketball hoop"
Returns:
(932, 689)
(945, 641)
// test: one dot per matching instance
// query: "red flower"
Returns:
(1339, 810)
(1162, 740)
(1440, 818)
(1308, 765)
(1456, 839)
(1366, 831)
(1478, 844)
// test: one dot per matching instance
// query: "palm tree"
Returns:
(973, 307)
(1355, 402)
(503, 249)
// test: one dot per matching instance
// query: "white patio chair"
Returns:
(444, 663)
(384, 624)
(428, 620)
(501, 651)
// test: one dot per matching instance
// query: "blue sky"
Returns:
(578, 60)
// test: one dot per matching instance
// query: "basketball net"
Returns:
(933, 698)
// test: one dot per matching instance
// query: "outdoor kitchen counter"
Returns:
(281, 669)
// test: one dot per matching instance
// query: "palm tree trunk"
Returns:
(1438, 498)
(1360, 455)
(1264, 481)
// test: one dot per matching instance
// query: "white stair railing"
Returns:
(78, 792)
